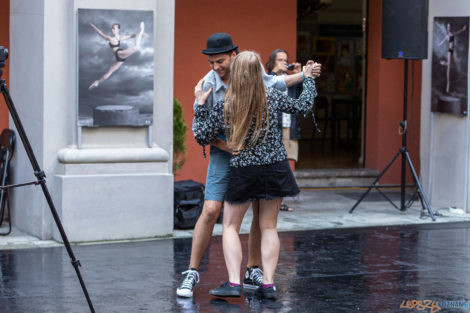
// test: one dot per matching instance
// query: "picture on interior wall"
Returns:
(449, 65)
(115, 68)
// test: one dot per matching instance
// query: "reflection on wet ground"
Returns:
(348, 270)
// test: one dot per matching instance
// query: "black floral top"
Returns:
(209, 123)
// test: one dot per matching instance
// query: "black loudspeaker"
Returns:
(405, 29)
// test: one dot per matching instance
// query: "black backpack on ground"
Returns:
(188, 203)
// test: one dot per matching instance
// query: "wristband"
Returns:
(303, 76)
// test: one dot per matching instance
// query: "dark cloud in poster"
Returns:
(132, 83)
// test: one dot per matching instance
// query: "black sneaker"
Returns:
(268, 293)
(225, 290)
(253, 278)
(186, 288)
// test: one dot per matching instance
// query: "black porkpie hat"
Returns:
(219, 43)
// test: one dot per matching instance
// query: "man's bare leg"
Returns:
(201, 237)
(254, 239)
(254, 275)
(203, 231)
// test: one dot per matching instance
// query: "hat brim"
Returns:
(218, 51)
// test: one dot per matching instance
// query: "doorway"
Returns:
(332, 32)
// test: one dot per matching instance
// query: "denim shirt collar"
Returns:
(218, 84)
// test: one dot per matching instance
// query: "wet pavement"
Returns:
(313, 210)
(372, 269)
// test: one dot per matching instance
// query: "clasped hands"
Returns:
(312, 69)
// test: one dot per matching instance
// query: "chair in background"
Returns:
(7, 142)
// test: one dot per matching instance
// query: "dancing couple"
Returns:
(236, 114)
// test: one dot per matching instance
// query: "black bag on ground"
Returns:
(188, 203)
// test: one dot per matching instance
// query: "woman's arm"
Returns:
(281, 102)
(460, 30)
(125, 37)
(443, 40)
(108, 38)
(297, 77)
(207, 124)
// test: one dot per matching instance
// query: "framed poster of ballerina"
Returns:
(115, 68)
(450, 65)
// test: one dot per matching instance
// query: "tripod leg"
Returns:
(422, 214)
(41, 179)
(375, 181)
(75, 262)
(420, 188)
(387, 198)
(412, 199)
(403, 181)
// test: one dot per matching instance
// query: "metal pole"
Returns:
(403, 140)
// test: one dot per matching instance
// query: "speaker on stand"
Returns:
(405, 29)
(404, 36)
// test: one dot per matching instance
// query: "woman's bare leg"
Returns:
(139, 35)
(124, 54)
(268, 212)
(233, 217)
(110, 71)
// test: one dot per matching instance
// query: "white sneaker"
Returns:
(186, 288)
(253, 278)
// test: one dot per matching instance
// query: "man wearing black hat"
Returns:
(220, 51)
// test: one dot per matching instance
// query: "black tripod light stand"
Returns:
(39, 175)
(405, 158)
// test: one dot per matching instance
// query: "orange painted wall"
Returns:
(257, 25)
(4, 41)
(384, 105)
(261, 25)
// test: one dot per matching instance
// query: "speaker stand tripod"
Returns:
(41, 181)
(405, 158)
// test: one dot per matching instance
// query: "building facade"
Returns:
(363, 92)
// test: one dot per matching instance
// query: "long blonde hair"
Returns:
(245, 101)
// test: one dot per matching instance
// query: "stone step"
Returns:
(335, 177)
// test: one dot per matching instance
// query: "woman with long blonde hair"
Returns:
(258, 167)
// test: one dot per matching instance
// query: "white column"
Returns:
(116, 187)
(444, 141)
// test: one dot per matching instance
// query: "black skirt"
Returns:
(253, 183)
